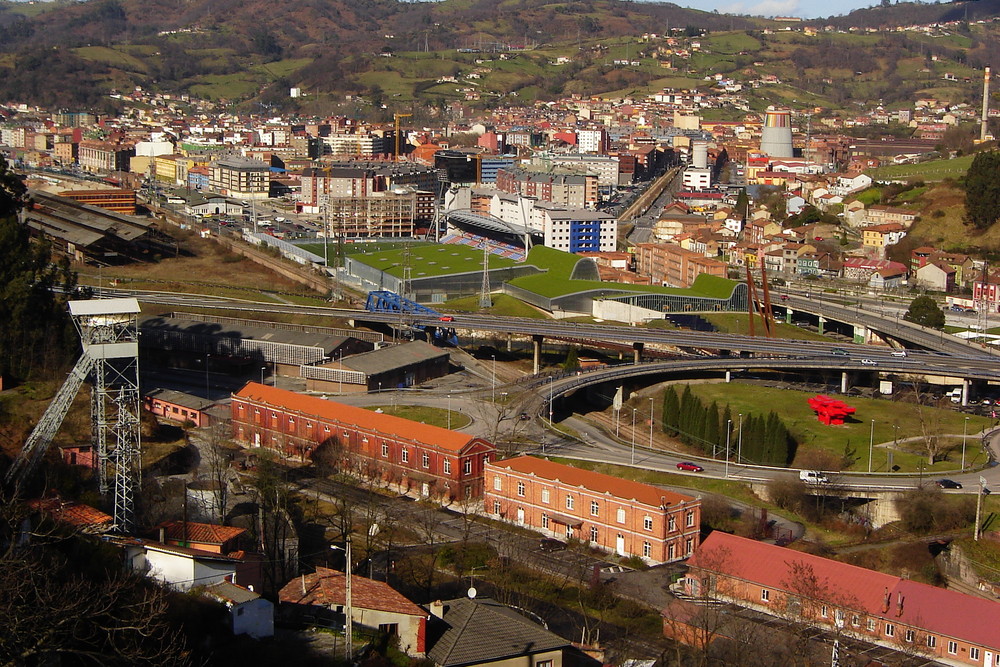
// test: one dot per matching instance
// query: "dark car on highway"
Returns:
(948, 484)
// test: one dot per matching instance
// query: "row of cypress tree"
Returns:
(766, 440)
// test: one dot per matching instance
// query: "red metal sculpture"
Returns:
(830, 410)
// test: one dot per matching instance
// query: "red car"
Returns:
(690, 467)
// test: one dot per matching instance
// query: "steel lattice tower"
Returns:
(109, 332)
(484, 291)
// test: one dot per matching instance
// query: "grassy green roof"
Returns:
(556, 281)
(432, 260)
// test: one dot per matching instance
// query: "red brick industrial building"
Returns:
(407, 455)
(911, 617)
(618, 515)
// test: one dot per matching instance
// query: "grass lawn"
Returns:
(737, 323)
(224, 86)
(431, 260)
(425, 415)
(103, 54)
(792, 408)
(503, 305)
(935, 170)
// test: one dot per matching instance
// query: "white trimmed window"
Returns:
(647, 549)
(406, 455)
(496, 507)
(952, 648)
(520, 489)
(385, 450)
(973, 653)
(545, 496)
(497, 484)
(425, 461)
(593, 533)
(690, 519)
(671, 523)
(621, 515)
(647, 522)
(931, 641)
(545, 521)
(595, 508)
(871, 625)
(908, 636)
(447, 467)
(468, 466)
(570, 502)
(890, 630)
(765, 595)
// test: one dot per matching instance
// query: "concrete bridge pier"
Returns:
(843, 382)
(637, 352)
(965, 393)
(822, 321)
(536, 353)
(788, 315)
(729, 377)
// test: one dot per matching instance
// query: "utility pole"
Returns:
(979, 506)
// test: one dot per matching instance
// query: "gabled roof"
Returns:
(484, 630)
(397, 427)
(327, 588)
(73, 513)
(938, 610)
(593, 481)
(226, 592)
(204, 533)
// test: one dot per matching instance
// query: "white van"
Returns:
(813, 477)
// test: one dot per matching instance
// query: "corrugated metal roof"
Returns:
(393, 357)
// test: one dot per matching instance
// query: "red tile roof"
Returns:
(937, 610)
(593, 481)
(326, 588)
(397, 427)
(72, 513)
(205, 533)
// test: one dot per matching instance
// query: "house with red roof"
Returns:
(203, 536)
(403, 454)
(322, 597)
(617, 515)
(911, 617)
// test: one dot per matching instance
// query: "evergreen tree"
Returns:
(712, 428)
(982, 190)
(924, 310)
(687, 412)
(742, 204)
(572, 362)
(724, 424)
(36, 335)
(671, 408)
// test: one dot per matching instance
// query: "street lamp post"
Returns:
(348, 621)
(650, 422)
(340, 371)
(208, 388)
(871, 445)
(729, 430)
(262, 369)
(965, 435)
(550, 400)
(739, 442)
(633, 436)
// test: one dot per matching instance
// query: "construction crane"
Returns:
(396, 118)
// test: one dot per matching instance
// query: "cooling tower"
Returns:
(699, 154)
(776, 136)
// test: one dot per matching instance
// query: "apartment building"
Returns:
(240, 177)
(617, 515)
(670, 264)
